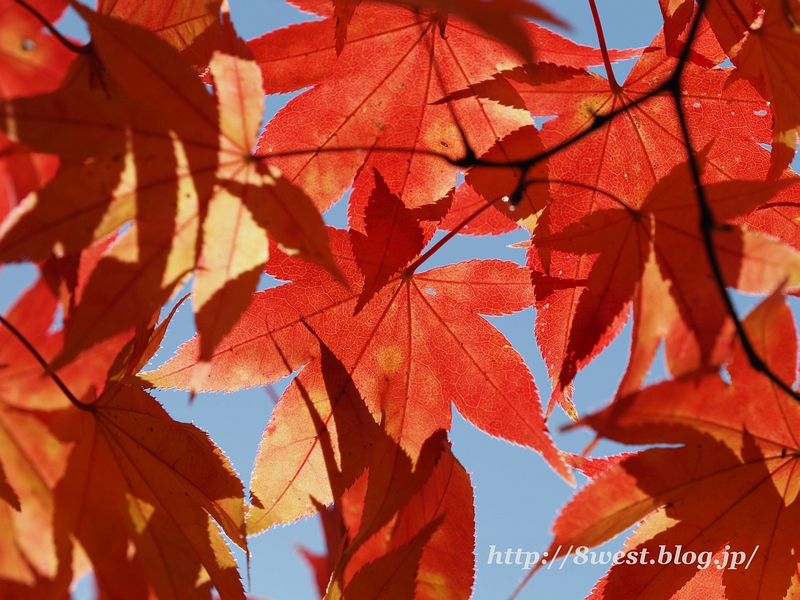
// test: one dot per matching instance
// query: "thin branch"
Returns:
(469, 159)
(708, 224)
(468, 219)
(707, 228)
(70, 396)
(55, 32)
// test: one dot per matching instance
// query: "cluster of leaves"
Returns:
(134, 163)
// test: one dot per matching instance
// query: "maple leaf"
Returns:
(649, 129)
(395, 236)
(320, 438)
(376, 106)
(761, 38)
(415, 347)
(408, 529)
(135, 470)
(499, 19)
(7, 493)
(21, 172)
(730, 486)
(779, 217)
(665, 229)
(391, 482)
(24, 382)
(191, 27)
(32, 457)
(706, 583)
(333, 529)
(465, 215)
(114, 477)
(234, 245)
(184, 171)
(677, 15)
(524, 195)
(621, 163)
(32, 62)
(343, 11)
(318, 441)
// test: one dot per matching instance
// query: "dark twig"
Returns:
(708, 224)
(55, 32)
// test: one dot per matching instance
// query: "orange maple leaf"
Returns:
(32, 62)
(174, 158)
(112, 479)
(191, 27)
(425, 549)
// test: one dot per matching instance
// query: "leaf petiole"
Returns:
(61, 385)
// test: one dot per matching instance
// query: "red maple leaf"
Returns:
(417, 345)
(32, 62)
(377, 105)
(191, 27)
(618, 166)
(761, 38)
(731, 486)
(650, 255)
(500, 19)
(422, 541)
